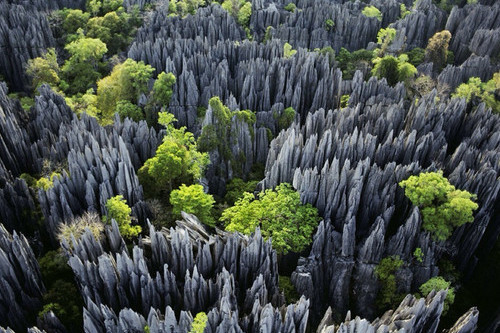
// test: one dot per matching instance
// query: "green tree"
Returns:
(329, 24)
(44, 69)
(393, 69)
(126, 109)
(286, 118)
(384, 38)
(419, 255)
(288, 51)
(403, 10)
(438, 283)
(437, 49)
(385, 272)
(73, 19)
(372, 11)
(236, 188)
(477, 91)
(163, 88)
(291, 7)
(193, 200)
(177, 160)
(280, 216)
(442, 206)
(416, 56)
(81, 69)
(127, 82)
(244, 14)
(199, 323)
(118, 210)
(113, 29)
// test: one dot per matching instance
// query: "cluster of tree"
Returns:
(241, 10)
(476, 91)
(184, 7)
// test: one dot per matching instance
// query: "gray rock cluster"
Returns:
(24, 34)
(234, 278)
(413, 315)
(98, 162)
(348, 163)
(20, 281)
(209, 60)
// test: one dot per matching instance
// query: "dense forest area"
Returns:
(325, 166)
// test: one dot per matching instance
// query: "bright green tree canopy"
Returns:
(442, 206)
(199, 323)
(193, 200)
(119, 211)
(438, 283)
(279, 214)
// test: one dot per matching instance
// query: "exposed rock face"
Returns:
(418, 26)
(474, 66)
(340, 162)
(469, 26)
(189, 271)
(257, 76)
(20, 281)
(99, 163)
(413, 315)
(24, 34)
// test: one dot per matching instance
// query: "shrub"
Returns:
(385, 273)
(329, 24)
(438, 283)
(372, 11)
(79, 224)
(193, 200)
(291, 7)
(199, 323)
(119, 211)
(126, 109)
(288, 51)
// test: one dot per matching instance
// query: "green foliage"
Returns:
(384, 38)
(146, 329)
(267, 35)
(244, 14)
(438, 283)
(344, 100)
(385, 273)
(288, 52)
(177, 160)
(349, 62)
(416, 56)
(113, 29)
(45, 183)
(372, 11)
(126, 82)
(329, 24)
(62, 296)
(288, 289)
(236, 188)
(329, 52)
(280, 216)
(393, 69)
(419, 255)
(185, 7)
(286, 118)
(128, 110)
(437, 49)
(403, 11)
(442, 206)
(199, 323)
(72, 20)
(477, 91)
(291, 7)
(80, 70)
(44, 69)
(163, 88)
(118, 210)
(193, 200)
